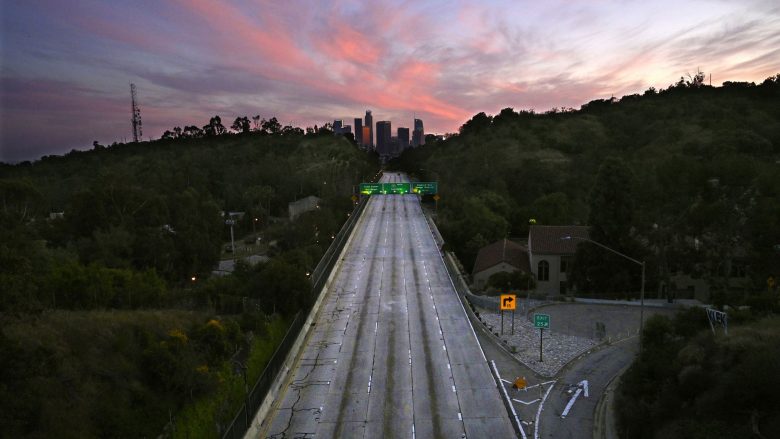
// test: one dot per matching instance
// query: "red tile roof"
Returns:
(505, 250)
(546, 240)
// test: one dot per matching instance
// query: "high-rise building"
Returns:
(346, 129)
(359, 131)
(369, 122)
(366, 136)
(383, 130)
(418, 136)
(403, 139)
(337, 125)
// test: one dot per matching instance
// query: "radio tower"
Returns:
(137, 126)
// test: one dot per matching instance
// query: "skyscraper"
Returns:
(365, 136)
(359, 131)
(383, 130)
(369, 122)
(337, 124)
(403, 139)
(418, 136)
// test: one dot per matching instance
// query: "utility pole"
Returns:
(136, 115)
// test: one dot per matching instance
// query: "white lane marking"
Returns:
(526, 403)
(448, 366)
(584, 384)
(571, 403)
(453, 389)
(460, 418)
(539, 411)
(506, 395)
(506, 381)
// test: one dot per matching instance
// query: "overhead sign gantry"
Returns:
(416, 188)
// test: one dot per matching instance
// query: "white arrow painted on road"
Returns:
(582, 385)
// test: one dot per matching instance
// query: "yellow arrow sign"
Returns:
(508, 302)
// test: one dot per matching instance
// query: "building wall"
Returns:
(383, 133)
(684, 286)
(403, 138)
(369, 122)
(480, 279)
(366, 137)
(359, 131)
(553, 285)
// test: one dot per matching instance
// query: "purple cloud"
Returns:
(67, 66)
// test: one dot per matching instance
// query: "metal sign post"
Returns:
(541, 321)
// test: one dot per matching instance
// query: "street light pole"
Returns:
(641, 291)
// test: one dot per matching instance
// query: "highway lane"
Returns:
(392, 353)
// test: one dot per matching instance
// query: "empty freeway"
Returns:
(391, 352)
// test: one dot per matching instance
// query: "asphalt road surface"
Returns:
(598, 369)
(392, 353)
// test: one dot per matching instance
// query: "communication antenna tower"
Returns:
(136, 119)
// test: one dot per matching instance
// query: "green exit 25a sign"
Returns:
(542, 321)
(419, 188)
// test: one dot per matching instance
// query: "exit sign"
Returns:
(542, 321)
(425, 187)
(370, 188)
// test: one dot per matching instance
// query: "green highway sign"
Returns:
(542, 321)
(385, 188)
(396, 188)
(370, 188)
(425, 187)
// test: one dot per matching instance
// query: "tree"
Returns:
(215, 127)
(241, 125)
(192, 132)
(611, 221)
(476, 124)
(272, 126)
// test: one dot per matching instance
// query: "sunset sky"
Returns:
(67, 65)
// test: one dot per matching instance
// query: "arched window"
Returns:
(543, 271)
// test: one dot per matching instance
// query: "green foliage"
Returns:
(515, 280)
(688, 383)
(118, 374)
(691, 162)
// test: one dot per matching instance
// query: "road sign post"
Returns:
(541, 336)
(541, 321)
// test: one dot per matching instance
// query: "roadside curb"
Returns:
(603, 413)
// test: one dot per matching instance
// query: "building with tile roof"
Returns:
(504, 255)
(551, 257)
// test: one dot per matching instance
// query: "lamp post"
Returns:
(642, 291)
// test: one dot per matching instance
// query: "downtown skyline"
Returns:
(67, 67)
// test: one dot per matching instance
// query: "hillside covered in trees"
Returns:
(686, 178)
(111, 324)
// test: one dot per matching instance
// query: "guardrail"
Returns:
(243, 418)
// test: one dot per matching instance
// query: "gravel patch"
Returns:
(558, 349)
